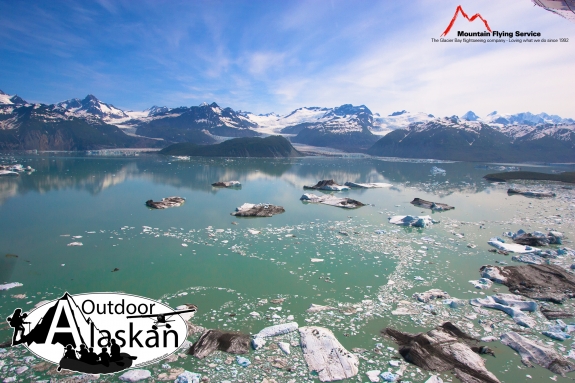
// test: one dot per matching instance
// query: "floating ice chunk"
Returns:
(315, 260)
(430, 295)
(8, 286)
(493, 273)
(75, 244)
(313, 308)
(511, 247)
(410, 220)
(514, 312)
(258, 343)
(135, 375)
(244, 362)
(557, 335)
(278, 329)
(254, 232)
(437, 171)
(368, 185)
(482, 283)
(434, 379)
(188, 377)
(388, 376)
(373, 375)
(284, 346)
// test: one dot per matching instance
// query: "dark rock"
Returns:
(552, 314)
(227, 184)
(212, 340)
(529, 239)
(543, 282)
(444, 348)
(431, 205)
(531, 193)
(165, 203)
(326, 185)
(259, 210)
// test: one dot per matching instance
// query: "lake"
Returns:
(229, 273)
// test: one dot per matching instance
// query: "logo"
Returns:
(100, 333)
(460, 10)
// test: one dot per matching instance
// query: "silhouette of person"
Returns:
(92, 356)
(70, 353)
(104, 357)
(17, 322)
(115, 351)
(83, 353)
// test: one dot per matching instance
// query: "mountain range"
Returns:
(81, 124)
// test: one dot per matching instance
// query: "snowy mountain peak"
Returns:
(204, 104)
(470, 116)
(155, 110)
(6, 99)
(90, 107)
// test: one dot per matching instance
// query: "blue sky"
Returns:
(275, 56)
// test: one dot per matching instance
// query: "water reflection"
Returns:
(95, 175)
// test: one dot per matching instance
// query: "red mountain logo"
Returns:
(460, 10)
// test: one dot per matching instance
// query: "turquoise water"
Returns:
(231, 271)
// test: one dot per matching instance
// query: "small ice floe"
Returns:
(331, 200)
(257, 210)
(437, 171)
(8, 286)
(482, 283)
(166, 202)
(414, 221)
(184, 244)
(369, 185)
(431, 205)
(314, 260)
(75, 244)
(500, 244)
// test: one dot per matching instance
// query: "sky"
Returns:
(275, 56)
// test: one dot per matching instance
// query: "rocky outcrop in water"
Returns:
(212, 340)
(534, 353)
(165, 203)
(259, 210)
(445, 348)
(543, 282)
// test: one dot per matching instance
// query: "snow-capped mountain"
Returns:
(89, 123)
(6, 99)
(90, 107)
(398, 120)
(458, 139)
(525, 118)
(272, 123)
(346, 127)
